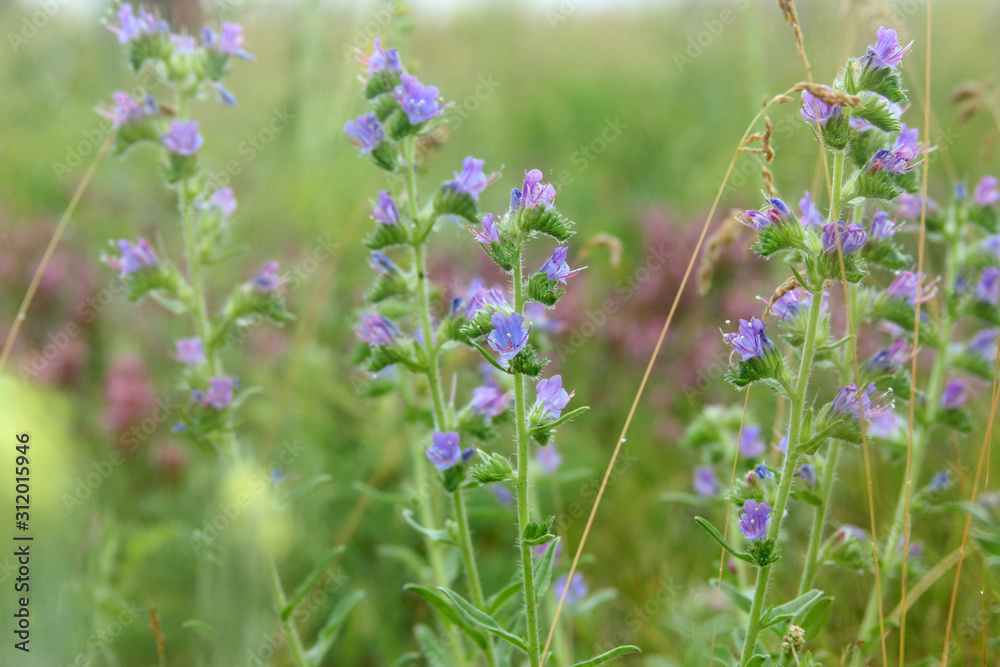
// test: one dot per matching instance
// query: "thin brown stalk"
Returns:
(22, 312)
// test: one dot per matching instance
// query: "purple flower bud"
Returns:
(489, 233)
(750, 342)
(515, 199)
(219, 393)
(848, 532)
(988, 289)
(961, 190)
(184, 44)
(577, 589)
(508, 336)
(444, 451)
(379, 59)
(365, 132)
(128, 110)
(940, 483)
(886, 51)
(807, 474)
(268, 280)
(754, 520)
(762, 472)
(535, 192)
(190, 351)
(183, 138)
(467, 454)
(984, 344)
(548, 459)
(852, 237)
(954, 395)
(222, 200)
(381, 263)
(134, 258)
(916, 549)
(377, 330)
(751, 444)
(810, 212)
(816, 110)
(882, 227)
(551, 396)
(488, 400)
(556, 268)
(419, 102)
(705, 482)
(987, 193)
(905, 287)
(850, 401)
(471, 180)
(131, 27)
(891, 358)
(384, 209)
(478, 297)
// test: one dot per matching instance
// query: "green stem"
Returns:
(523, 501)
(935, 386)
(787, 474)
(437, 397)
(838, 185)
(280, 602)
(819, 519)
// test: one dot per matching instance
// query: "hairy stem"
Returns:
(523, 500)
(787, 473)
(280, 602)
(819, 519)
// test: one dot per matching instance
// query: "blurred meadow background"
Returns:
(635, 108)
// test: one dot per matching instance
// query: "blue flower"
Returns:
(750, 342)
(444, 451)
(577, 589)
(754, 520)
(706, 484)
(940, 483)
(384, 209)
(190, 351)
(886, 51)
(852, 237)
(818, 111)
(134, 258)
(419, 102)
(471, 180)
(377, 330)
(508, 336)
(489, 233)
(488, 400)
(365, 132)
(954, 395)
(268, 280)
(810, 212)
(751, 444)
(882, 226)
(551, 396)
(535, 193)
(556, 268)
(183, 138)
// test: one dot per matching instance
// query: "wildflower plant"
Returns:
(407, 327)
(194, 69)
(792, 350)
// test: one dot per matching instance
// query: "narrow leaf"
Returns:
(328, 635)
(717, 536)
(483, 620)
(610, 655)
(310, 582)
(445, 608)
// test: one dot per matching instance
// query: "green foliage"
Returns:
(548, 221)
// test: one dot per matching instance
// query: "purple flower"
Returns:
(988, 289)
(897, 161)
(556, 268)
(807, 474)
(381, 263)
(751, 444)
(852, 237)
(184, 44)
(503, 494)
(849, 532)
(882, 226)
(508, 336)
(810, 212)
(577, 589)
(816, 110)
(219, 393)
(471, 180)
(987, 193)
(984, 344)
(539, 551)
(954, 395)
(534, 192)
(365, 132)
(478, 297)
(908, 206)
(134, 257)
(891, 358)
(905, 287)
(419, 102)
(379, 59)
(762, 472)
(886, 51)
(190, 351)
(488, 400)
(754, 520)
(750, 341)
(268, 280)
(127, 109)
(515, 199)
(222, 200)
(940, 483)
(384, 209)
(489, 233)
(444, 451)
(548, 459)
(885, 425)
(231, 41)
(991, 244)
(183, 138)
(551, 396)
(916, 548)
(791, 304)
(850, 401)
(131, 27)
(776, 214)
(377, 330)
(705, 482)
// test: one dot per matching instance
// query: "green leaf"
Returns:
(757, 660)
(543, 290)
(717, 536)
(778, 238)
(328, 635)
(791, 609)
(433, 534)
(310, 582)
(202, 628)
(884, 81)
(306, 489)
(431, 648)
(876, 111)
(537, 533)
(483, 620)
(527, 362)
(546, 221)
(817, 617)
(610, 655)
(450, 202)
(738, 598)
(572, 414)
(384, 236)
(404, 555)
(445, 608)
(406, 659)
(543, 572)
(497, 601)
(494, 468)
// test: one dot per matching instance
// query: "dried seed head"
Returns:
(828, 95)
(769, 181)
(717, 244)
